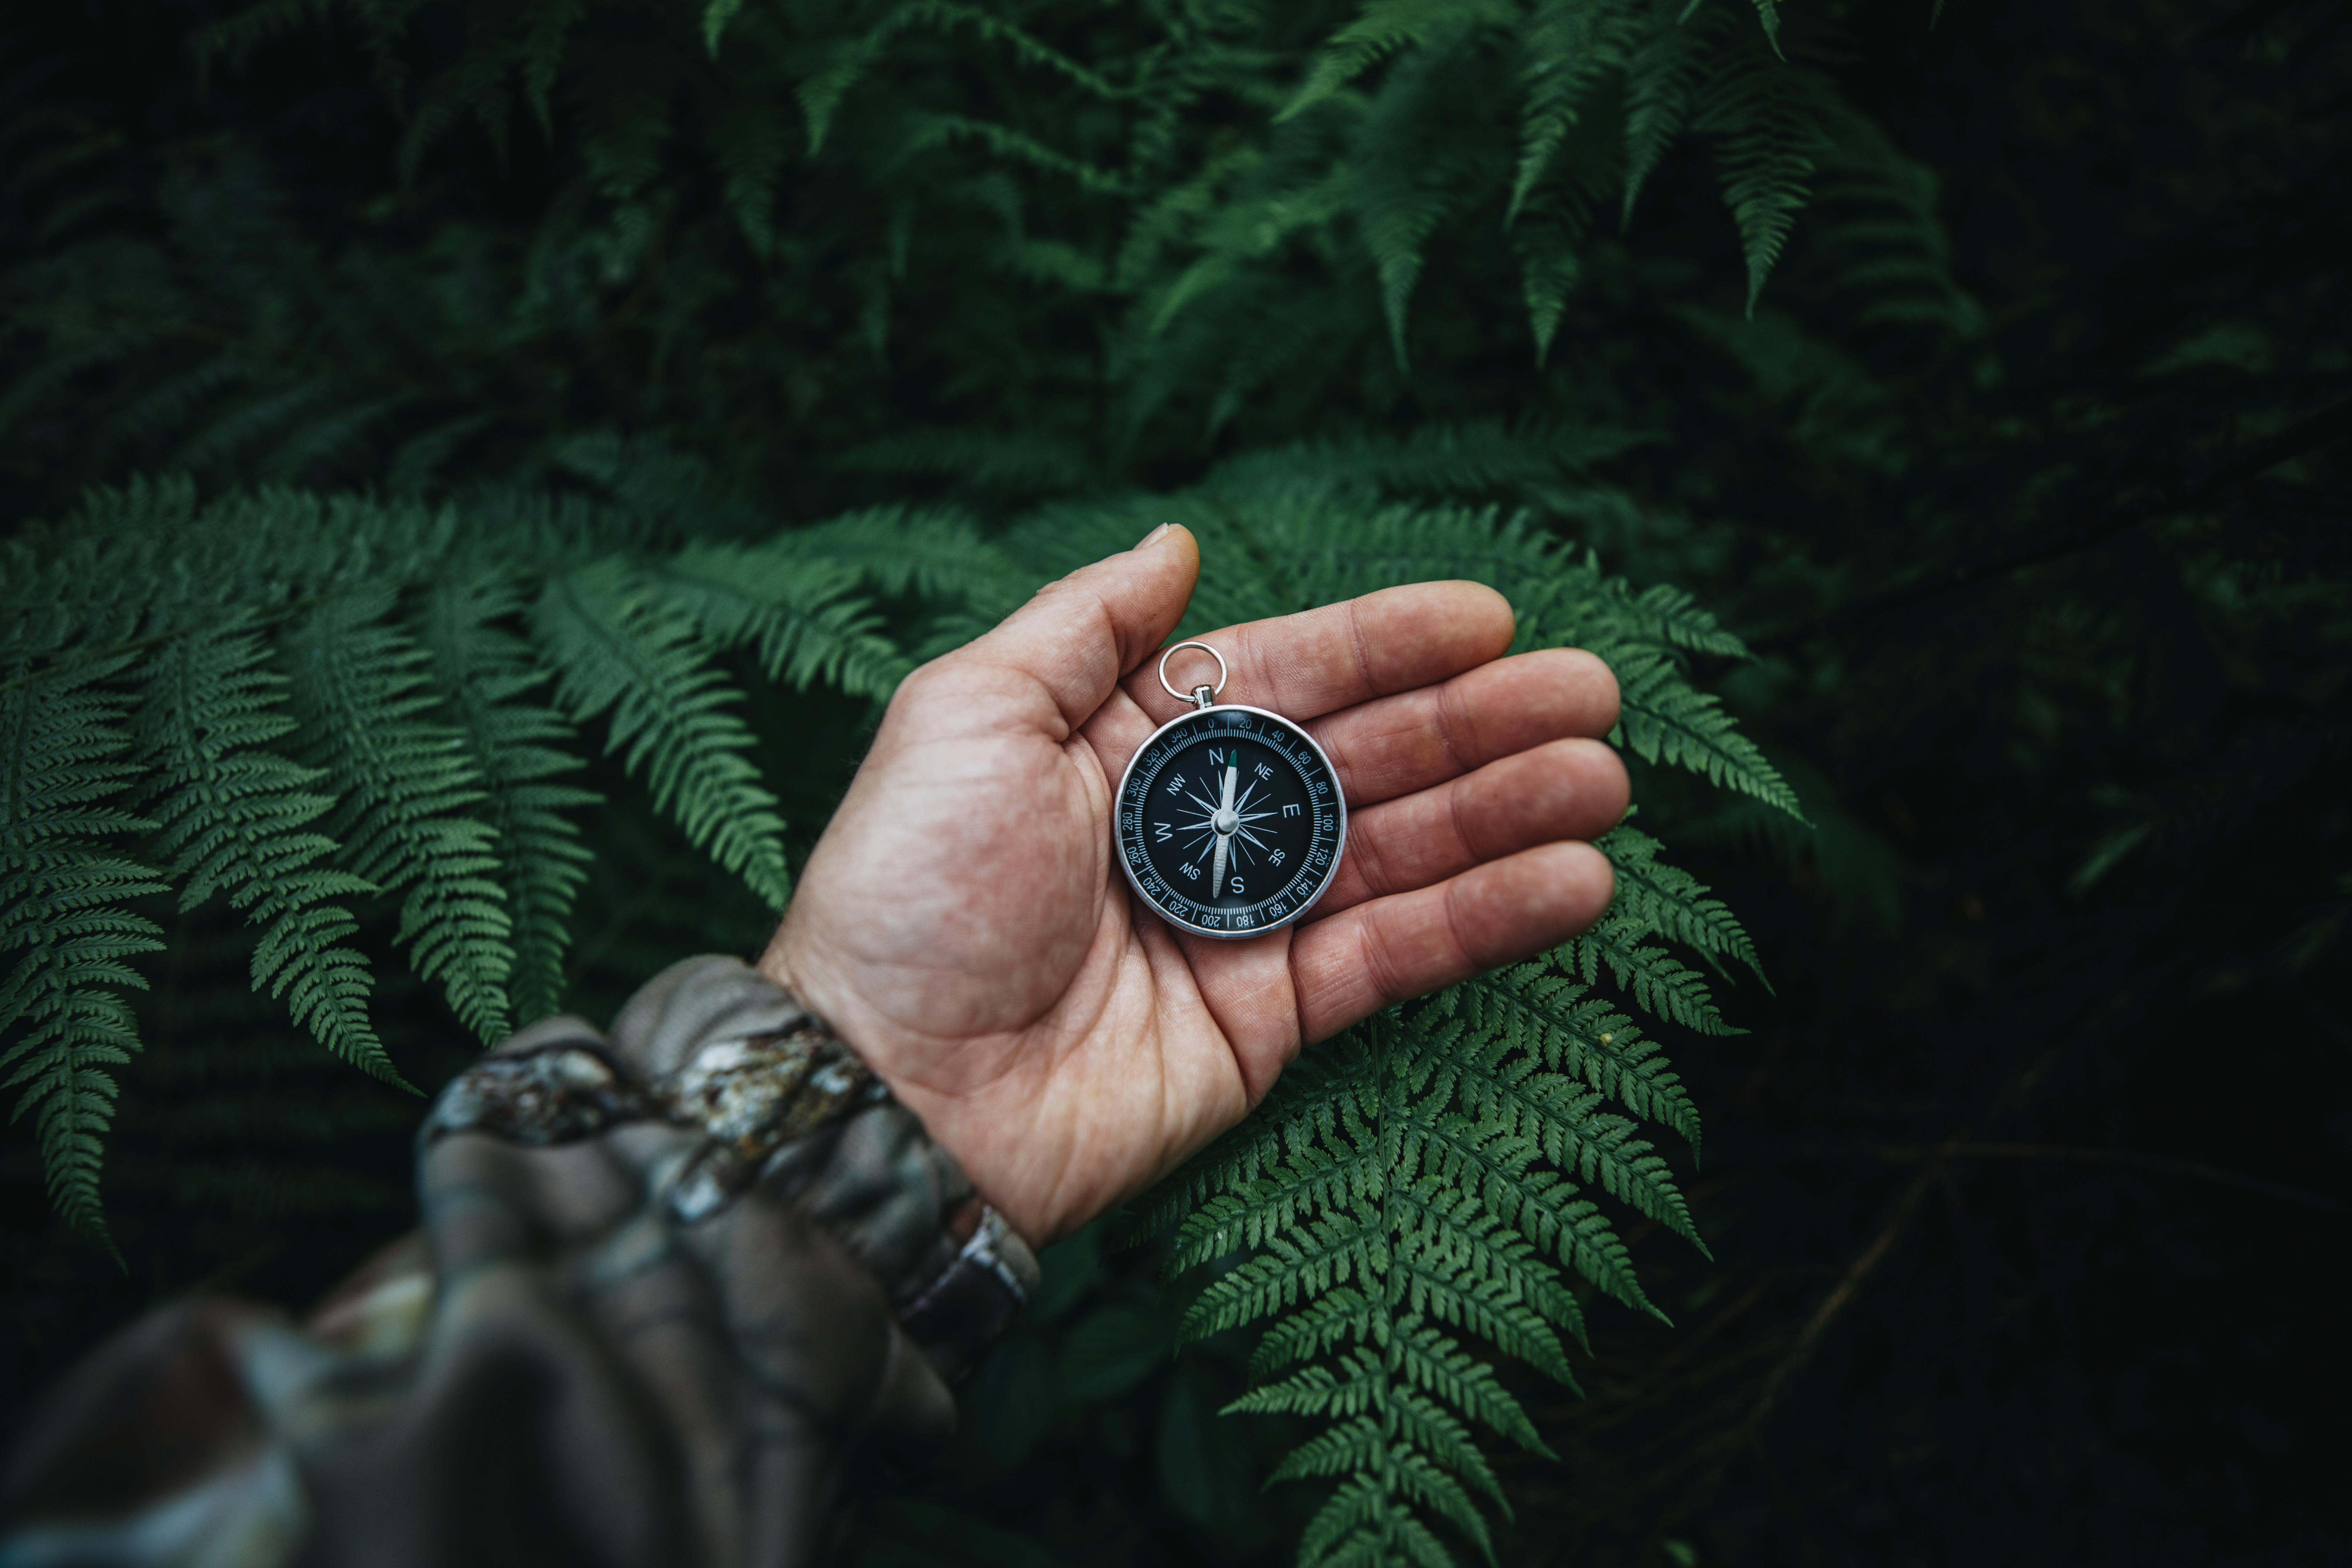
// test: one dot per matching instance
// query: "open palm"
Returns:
(962, 924)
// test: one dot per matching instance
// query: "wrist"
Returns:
(783, 1106)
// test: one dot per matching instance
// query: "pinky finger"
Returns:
(1357, 961)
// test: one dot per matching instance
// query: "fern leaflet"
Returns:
(62, 908)
(1758, 110)
(518, 749)
(1665, 718)
(798, 610)
(406, 790)
(233, 815)
(622, 645)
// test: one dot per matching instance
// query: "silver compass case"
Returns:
(1231, 822)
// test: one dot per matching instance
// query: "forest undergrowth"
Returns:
(507, 451)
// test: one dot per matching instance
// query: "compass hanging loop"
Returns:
(1200, 696)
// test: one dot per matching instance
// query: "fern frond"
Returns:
(1661, 79)
(1455, 1261)
(1305, 1105)
(1664, 718)
(1426, 1359)
(934, 553)
(1556, 1018)
(1363, 1444)
(1567, 47)
(1661, 984)
(1760, 111)
(1420, 1177)
(801, 613)
(821, 92)
(622, 648)
(62, 908)
(516, 749)
(1874, 224)
(1306, 1260)
(1341, 1313)
(1409, 165)
(233, 816)
(407, 791)
(1550, 265)
(1383, 29)
(1660, 613)
(1365, 1525)
(1670, 902)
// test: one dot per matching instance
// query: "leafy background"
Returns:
(1985, 371)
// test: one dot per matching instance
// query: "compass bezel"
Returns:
(1321, 779)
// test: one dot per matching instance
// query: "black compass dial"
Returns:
(1230, 822)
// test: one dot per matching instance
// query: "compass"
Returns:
(1230, 819)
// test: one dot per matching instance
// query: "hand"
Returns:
(963, 925)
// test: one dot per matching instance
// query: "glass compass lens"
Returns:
(1229, 821)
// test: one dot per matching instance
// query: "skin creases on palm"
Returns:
(962, 923)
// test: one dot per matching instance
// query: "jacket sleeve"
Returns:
(676, 1289)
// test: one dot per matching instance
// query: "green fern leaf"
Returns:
(518, 749)
(1661, 984)
(1405, 180)
(1364, 1525)
(1760, 112)
(1383, 29)
(715, 17)
(1549, 265)
(1426, 1359)
(801, 612)
(1568, 47)
(623, 646)
(1661, 79)
(407, 791)
(848, 61)
(1664, 718)
(62, 902)
(1554, 1017)
(935, 555)
(1662, 614)
(1670, 902)
(232, 815)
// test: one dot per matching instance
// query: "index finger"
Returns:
(1318, 661)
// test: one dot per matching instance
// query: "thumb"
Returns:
(1080, 634)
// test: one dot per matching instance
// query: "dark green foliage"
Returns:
(809, 338)
(404, 788)
(516, 749)
(292, 745)
(234, 817)
(63, 903)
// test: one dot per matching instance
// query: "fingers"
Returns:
(1317, 661)
(1409, 944)
(1079, 635)
(1394, 745)
(1560, 790)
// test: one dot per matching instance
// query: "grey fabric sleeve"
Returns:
(676, 1288)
